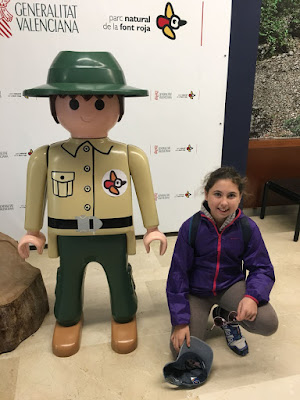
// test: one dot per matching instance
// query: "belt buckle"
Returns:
(84, 224)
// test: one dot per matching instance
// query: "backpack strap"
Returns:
(246, 231)
(194, 225)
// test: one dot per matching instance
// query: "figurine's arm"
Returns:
(140, 172)
(35, 202)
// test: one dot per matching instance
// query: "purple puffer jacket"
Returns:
(216, 264)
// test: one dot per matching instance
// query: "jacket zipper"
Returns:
(219, 249)
(218, 263)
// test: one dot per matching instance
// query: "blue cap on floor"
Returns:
(192, 365)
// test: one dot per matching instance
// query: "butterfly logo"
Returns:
(169, 22)
(113, 184)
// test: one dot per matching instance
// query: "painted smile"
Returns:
(86, 119)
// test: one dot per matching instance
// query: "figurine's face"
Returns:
(91, 118)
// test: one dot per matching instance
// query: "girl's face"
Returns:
(223, 199)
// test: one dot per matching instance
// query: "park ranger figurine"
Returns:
(87, 181)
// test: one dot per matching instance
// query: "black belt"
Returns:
(89, 224)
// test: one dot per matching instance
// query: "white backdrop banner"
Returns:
(184, 67)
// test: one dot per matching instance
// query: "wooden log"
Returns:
(23, 297)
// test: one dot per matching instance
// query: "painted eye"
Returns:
(74, 104)
(118, 183)
(175, 22)
(99, 104)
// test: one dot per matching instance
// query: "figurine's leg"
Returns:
(122, 292)
(68, 305)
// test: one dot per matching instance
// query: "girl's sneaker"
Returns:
(233, 334)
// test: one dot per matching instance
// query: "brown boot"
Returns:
(66, 339)
(124, 336)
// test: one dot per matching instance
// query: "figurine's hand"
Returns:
(155, 234)
(181, 333)
(38, 239)
(247, 309)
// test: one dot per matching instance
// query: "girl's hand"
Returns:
(180, 333)
(247, 309)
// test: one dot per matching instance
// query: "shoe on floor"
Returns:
(66, 339)
(124, 336)
(233, 335)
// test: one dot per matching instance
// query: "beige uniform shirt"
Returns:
(84, 178)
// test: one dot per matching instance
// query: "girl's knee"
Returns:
(271, 327)
(262, 326)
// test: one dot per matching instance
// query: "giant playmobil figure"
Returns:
(88, 186)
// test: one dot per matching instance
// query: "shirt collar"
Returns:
(206, 211)
(102, 145)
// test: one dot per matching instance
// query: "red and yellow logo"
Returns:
(169, 22)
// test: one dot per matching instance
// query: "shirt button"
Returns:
(87, 168)
(87, 188)
(87, 207)
(86, 148)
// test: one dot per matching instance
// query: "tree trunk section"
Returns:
(23, 297)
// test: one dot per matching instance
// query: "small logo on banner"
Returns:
(21, 154)
(161, 149)
(156, 95)
(162, 95)
(115, 182)
(5, 18)
(162, 196)
(15, 95)
(3, 154)
(186, 195)
(169, 22)
(6, 207)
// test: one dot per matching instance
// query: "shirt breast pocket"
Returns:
(62, 183)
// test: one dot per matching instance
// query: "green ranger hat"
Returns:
(85, 73)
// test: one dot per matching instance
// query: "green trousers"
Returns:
(75, 253)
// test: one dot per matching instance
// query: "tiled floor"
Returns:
(271, 370)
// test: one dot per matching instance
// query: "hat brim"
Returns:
(84, 89)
